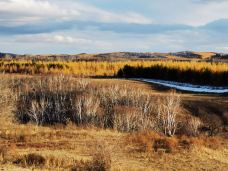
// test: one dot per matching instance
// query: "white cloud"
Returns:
(92, 13)
(70, 39)
(222, 48)
(19, 12)
(53, 26)
(60, 38)
(77, 41)
(199, 14)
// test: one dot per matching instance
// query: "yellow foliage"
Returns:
(102, 68)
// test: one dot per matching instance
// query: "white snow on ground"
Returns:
(186, 86)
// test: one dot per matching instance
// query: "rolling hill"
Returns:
(114, 56)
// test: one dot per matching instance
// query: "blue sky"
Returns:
(92, 26)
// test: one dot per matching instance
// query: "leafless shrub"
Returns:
(37, 111)
(45, 107)
(130, 119)
(48, 100)
(192, 126)
(168, 109)
(46, 103)
(86, 109)
(126, 119)
(101, 161)
(51, 100)
(161, 145)
(116, 95)
(3, 93)
(212, 124)
(6, 95)
(108, 99)
(98, 163)
(83, 83)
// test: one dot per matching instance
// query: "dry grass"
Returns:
(63, 147)
(205, 55)
(154, 142)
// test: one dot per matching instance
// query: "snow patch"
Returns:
(186, 86)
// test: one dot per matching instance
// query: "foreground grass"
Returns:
(64, 146)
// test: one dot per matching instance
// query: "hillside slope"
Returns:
(185, 55)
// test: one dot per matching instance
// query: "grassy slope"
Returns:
(65, 144)
(205, 55)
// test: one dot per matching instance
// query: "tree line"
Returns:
(203, 76)
(211, 73)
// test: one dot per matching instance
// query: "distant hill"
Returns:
(7, 55)
(185, 55)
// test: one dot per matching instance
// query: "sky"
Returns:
(98, 26)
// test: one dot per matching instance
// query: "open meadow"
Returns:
(62, 122)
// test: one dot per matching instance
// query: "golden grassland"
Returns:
(102, 68)
(204, 55)
(61, 147)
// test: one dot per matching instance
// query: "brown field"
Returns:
(68, 146)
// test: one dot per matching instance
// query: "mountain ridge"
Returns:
(184, 55)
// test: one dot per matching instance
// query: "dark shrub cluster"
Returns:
(98, 163)
(31, 160)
